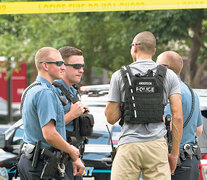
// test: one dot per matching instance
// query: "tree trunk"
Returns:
(193, 54)
(87, 76)
(199, 73)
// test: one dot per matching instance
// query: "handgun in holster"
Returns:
(196, 149)
(52, 164)
(182, 155)
(121, 122)
(81, 146)
(169, 133)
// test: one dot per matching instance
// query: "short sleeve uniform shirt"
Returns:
(41, 104)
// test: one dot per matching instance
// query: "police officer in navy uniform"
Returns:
(43, 117)
(188, 168)
(74, 62)
(138, 94)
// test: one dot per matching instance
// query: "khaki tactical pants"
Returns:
(150, 158)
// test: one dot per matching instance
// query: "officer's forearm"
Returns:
(199, 130)
(52, 137)
(177, 123)
(112, 112)
(177, 130)
(69, 117)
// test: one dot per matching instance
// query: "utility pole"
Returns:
(9, 93)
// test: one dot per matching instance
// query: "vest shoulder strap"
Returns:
(25, 93)
(161, 72)
(123, 75)
(65, 92)
(126, 75)
(192, 107)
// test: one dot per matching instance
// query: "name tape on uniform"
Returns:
(97, 6)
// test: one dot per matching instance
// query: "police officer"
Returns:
(43, 117)
(188, 169)
(142, 146)
(74, 62)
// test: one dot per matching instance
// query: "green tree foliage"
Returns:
(22, 35)
(105, 37)
(184, 31)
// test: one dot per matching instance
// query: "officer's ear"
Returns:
(154, 52)
(136, 47)
(44, 66)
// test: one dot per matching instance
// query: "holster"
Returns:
(36, 156)
(197, 151)
(54, 163)
(32, 152)
(182, 155)
(189, 151)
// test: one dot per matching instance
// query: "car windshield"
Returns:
(4, 127)
(3, 104)
(96, 106)
(202, 93)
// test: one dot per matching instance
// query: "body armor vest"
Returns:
(83, 125)
(143, 96)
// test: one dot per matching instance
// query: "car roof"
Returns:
(15, 125)
(202, 93)
(4, 127)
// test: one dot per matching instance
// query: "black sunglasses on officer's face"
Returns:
(76, 66)
(165, 65)
(134, 44)
(58, 63)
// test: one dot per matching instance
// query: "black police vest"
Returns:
(83, 125)
(143, 96)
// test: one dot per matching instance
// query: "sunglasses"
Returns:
(76, 66)
(58, 63)
(134, 44)
(165, 65)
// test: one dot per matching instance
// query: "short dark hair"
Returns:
(68, 51)
(146, 41)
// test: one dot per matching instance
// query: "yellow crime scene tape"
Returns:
(97, 6)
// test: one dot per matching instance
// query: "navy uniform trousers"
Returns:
(69, 172)
(188, 170)
(27, 172)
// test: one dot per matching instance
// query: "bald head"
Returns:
(146, 42)
(44, 54)
(171, 60)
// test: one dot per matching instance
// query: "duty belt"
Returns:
(54, 160)
(189, 151)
